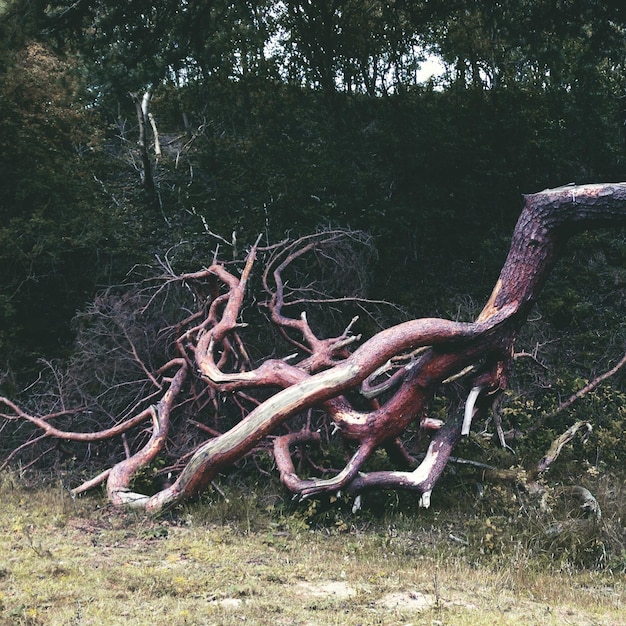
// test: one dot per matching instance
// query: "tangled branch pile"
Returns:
(188, 383)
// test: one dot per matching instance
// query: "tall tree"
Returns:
(536, 43)
(364, 47)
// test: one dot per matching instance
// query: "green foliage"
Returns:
(59, 236)
(556, 45)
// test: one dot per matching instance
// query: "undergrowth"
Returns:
(478, 519)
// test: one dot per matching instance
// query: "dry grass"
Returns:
(65, 562)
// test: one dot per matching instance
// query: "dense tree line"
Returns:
(286, 117)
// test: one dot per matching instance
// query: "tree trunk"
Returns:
(142, 107)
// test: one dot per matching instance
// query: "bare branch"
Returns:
(559, 442)
(50, 431)
(598, 380)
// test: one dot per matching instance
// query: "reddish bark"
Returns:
(422, 354)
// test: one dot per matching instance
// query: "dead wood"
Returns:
(398, 370)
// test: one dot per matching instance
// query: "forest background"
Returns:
(281, 118)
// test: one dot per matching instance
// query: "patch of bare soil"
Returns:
(327, 588)
(408, 600)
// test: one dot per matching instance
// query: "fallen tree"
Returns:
(369, 395)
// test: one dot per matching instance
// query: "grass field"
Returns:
(234, 560)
